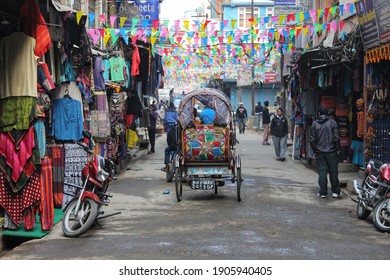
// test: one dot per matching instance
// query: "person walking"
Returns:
(259, 113)
(266, 122)
(241, 115)
(170, 117)
(279, 132)
(324, 140)
(152, 128)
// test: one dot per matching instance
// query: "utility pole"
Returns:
(253, 64)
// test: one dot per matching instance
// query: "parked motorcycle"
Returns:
(85, 208)
(373, 194)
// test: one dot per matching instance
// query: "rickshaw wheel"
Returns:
(178, 184)
(238, 181)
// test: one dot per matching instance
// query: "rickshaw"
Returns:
(207, 154)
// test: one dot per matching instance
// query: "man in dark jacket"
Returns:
(324, 140)
(241, 115)
(259, 113)
(266, 122)
(279, 132)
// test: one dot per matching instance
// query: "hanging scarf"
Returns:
(35, 26)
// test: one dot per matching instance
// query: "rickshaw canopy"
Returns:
(209, 97)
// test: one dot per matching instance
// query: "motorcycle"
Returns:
(374, 193)
(85, 207)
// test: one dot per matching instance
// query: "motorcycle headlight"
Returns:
(102, 175)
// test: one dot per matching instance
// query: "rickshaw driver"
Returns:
(172, 146)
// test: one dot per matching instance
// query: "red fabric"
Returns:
(17, 154)
(46, 206)
(136, 61)
(29, 218)
(15, 204)
(35, 26)
(57, 155)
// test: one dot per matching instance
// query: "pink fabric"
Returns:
(17, 154)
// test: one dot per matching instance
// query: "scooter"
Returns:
(85, 208)
(373, 194)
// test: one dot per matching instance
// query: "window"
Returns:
(244, 14)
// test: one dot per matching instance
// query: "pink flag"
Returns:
(112, 20)
(94, 35)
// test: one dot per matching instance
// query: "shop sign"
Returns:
(270, 78)
(367, 21)
(145, 10)
(382, 9)
(285, 2)
(244, 77)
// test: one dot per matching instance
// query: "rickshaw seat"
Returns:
(206, 143)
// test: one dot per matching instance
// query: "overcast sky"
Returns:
(174, 9)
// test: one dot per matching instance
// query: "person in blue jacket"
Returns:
(207, 116)
(171, 117)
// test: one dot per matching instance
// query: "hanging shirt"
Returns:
(18, 66)
(136, 61)
(106, 70)
(67, 120)
(98, 74)
(117, 66)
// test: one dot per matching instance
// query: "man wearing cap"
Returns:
(241, 115)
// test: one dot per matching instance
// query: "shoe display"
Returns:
(321, 195)
(337, 195)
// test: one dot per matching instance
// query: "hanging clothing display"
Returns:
(69, 89)
(67, 120)
(46, 204)
(98, 74)
(75, 159)
(15, 203)
(19, 157)
(18, 67)
(35, 26)
(100, 120)
(117, 69)
(57, 155)
(17, 113)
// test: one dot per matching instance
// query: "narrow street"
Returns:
(280, 217)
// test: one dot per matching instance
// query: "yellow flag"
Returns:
(233, 22)
(106, 38)
(122, 21)
(153, 40)
(78, 16)
(186, 24)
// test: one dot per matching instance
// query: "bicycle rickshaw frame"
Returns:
(207, 153)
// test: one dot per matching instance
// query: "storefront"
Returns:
(55, 83)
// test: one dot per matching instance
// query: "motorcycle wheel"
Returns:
(74, 225)
(361, 211)
(170, 172)
(381, 215)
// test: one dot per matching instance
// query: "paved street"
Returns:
(279, 217)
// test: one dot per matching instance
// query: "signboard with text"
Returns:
(382, 9)
(368, 24)
(270, 78)
(145, 9)
(285, 2)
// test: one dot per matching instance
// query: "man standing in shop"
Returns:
(324, 140)
(266, 122)
(279, 132)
